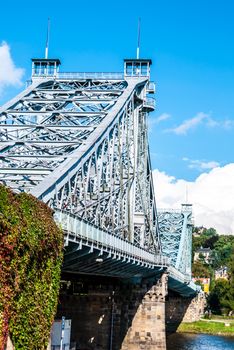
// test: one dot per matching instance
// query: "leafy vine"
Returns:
(31, 248)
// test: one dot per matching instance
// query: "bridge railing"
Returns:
(149, 103)
(179, 275)
(81, 229)
(90, 75)
(151, 87)
(81, 75)
(170, 210)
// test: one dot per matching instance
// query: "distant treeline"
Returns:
(221, 296)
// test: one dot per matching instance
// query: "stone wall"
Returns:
(90, 314)
(195, 309)
(113, 315)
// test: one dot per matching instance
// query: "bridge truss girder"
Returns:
(175, 229)
(81, 146)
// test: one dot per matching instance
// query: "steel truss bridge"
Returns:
(78, 142)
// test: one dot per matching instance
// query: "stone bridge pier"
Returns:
(183, 309)
(108, 314)
(147, 328)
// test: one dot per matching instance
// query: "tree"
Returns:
(221, 291)
(221, 296)
(209, 232)
(199, 269)
(222, 251)
(206, 240)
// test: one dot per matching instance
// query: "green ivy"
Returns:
(31, 248)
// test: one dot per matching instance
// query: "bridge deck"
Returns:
(105, 247)
(91, 250)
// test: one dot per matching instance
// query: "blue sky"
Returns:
(192, 48)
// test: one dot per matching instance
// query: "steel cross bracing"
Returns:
(175, 229)
(80, 145)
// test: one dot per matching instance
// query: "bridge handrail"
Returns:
(150, 101)
(90, 75)
(80, 227)
(83, 75)
(169, 210)
(179, 275)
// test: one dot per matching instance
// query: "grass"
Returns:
(222, 317)
(210, 327)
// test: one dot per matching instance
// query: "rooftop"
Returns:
(204, 250)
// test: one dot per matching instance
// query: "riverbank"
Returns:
(224, 327)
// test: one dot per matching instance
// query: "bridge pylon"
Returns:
(175, 227)
(78, 141)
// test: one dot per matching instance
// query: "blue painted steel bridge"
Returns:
(78, 142)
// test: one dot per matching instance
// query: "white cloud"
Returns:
(212, 123)
(162, 117)
(228, 124)
(201, 164)
(200, 118)
(9, 74)
(211, 195)
(155, 121)
(224, 124)
(188, 124)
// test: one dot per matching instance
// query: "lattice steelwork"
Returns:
(175, 229)
(79, 142)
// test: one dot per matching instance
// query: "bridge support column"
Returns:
(147, 331)
(181, 309)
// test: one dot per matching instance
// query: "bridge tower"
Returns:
(78, 142)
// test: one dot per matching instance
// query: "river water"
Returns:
(187, 341)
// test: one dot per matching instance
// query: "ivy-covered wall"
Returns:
(31, 247)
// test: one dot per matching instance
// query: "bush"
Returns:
(31, 248)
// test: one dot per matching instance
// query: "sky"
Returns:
(191, 132)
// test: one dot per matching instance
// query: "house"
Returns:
(203, 253)
(222, 272)
(198, 231)
(204, 282)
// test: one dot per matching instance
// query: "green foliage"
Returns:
(221, 245)
(209, 232)
(208, 327)
(201, 269)
(31, 255)
(221, 297)
(206, 239)
(223, 251)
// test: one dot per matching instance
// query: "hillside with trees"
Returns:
(220, 298)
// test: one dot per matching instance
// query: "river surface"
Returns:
(199, 342)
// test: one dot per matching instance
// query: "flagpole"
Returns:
(138, 38)
(47, 39)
